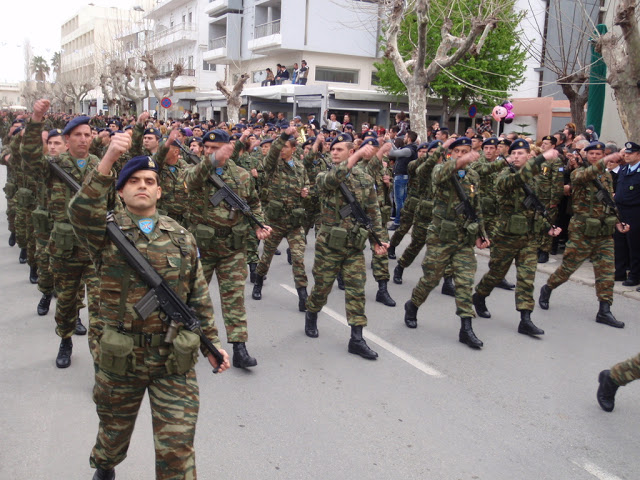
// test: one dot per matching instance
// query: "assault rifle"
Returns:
(161, 295)
(464, 207)
(531, 200)
(224, 191)
(354, 209)
(603, 195)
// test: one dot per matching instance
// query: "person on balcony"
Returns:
(270, 80)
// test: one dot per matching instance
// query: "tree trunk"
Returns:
(577, 102)
(417, 95)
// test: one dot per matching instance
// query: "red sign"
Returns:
(166, 102)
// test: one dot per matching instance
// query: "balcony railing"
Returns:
(220, 42)
(180, 27)
(187, 72)
(267, 29)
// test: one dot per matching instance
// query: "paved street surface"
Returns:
(428, 408)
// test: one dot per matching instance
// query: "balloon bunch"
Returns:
(503, 112)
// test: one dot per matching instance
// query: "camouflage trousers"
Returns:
(580, 248)
(627, 371)
(70, 277)
(45, 275)
(406, 220)
(380, 263)
(297, 243)
(21, 226)
(544, 240)
(312, 207)
(418, 241)
(174, 401)
(505, 249)
(11, 214)
(463, 261)
(230, 267)
(328, 262)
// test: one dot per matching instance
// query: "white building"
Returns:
(10, 95)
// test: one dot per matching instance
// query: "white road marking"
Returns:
(389, 347)
(596, 471)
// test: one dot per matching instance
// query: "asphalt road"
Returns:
(428, 408)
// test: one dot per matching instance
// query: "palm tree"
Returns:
(55, 64)
(40, 68)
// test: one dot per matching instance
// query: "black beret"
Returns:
(343, 137)
(477, 136)
(128, 127)
(504, 141)
(195, 139)
(371, 133)
(76, 122)
(153, 131)
(490, 141)
(550, 138)
(370, 141)
(216, 136)
(266, 140)
(434, 144)
(460, 142)
(143, 162)
(348, 125)
(423, 145)
(519, 144)
(594, 146)
(56, 132)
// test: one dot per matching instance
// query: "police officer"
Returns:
(628, 203)
(134, 357)
(341, 241)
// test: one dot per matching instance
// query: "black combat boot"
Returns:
(241, 358)
(252, 272)
(33, 275)
(448, 288)
(391, 252)
(289, 256)
(63, 360)
(340, 281)
(545, 295)
(383, 295)
(358, 346)
(526, 326)
(311, 324)
(410, 314)
(257, 288)
(505, 285)
(102, 474)
(467, 336)
(23, 256)
(607, 391)
(12, 239)
(80, 328)
(543, 257)
(397, 274)
(480, 305)
(605, 316)
(43, 304)
(302, 299)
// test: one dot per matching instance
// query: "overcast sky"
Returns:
(40, 22)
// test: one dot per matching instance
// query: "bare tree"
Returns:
(466, 35)
(233, 96)
(73, 87)
(620, 52)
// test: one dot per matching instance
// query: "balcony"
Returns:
(186, 81)
(217, 50)
(165, 7)
(187, 72)
(224, 39)
(266, 37)
(178, 35)
(216, 8)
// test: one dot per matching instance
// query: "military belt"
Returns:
(146, 339)
(583, 218)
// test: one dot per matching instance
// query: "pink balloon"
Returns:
(508, 105)
(498, 113)
(510, 116)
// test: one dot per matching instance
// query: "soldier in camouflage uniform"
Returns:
(590, 233)
(549, 187)
(421, 169)
(134, 357)
(175, 194)
(10, 187)
(70, 263)
(620, 375)
(488, 167)
(145, 141)
(515, 235)
(451, 237)
(32, 151)
(288, 185)
(23, 200)
(341, 241)
(313, 163)
(221, 235)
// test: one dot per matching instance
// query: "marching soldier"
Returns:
(590, 232)
(341, 241)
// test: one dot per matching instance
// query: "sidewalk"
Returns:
(583, 275)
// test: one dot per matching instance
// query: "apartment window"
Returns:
(184, 19)
(375, 80)
(209, 67)
(190, 63)
(190, 17)
(258, 76)
(337, 75)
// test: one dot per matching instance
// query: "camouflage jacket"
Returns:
(360, 183)
(170, 249)
(488, 172)
(583, 192)
(284, 181)
(313, 164)
(445, 197)
(549, 185)
(202, 211)
(32, 152)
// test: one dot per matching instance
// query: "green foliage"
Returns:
(40, 68)
(482, 79)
